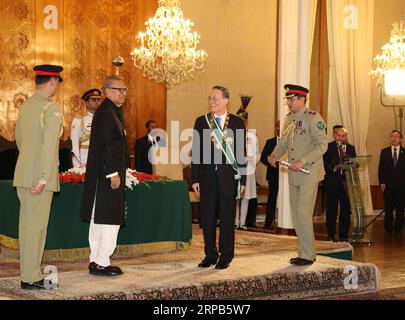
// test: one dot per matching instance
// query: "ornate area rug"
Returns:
(246, 244)
(262, 276)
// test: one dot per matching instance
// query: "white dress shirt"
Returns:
(392, 151)
(223, 118)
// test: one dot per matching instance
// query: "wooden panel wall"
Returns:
(88, 35)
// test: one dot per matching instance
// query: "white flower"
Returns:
(78, 170)
(130, 179)
(229, 140)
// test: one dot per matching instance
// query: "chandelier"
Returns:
(392, 57)
(168, 52)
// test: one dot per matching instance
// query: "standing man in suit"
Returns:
(38, 129)
(142, 146)
(81, 127)
(391, 174)
(335, 184)
(271, 177)
(304, 139)
(103, 203)
(218, 164)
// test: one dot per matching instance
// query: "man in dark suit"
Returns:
(218, 181)
(335, 184)
(103, 204)
(142, 146)
(271, 177)
(391, 174)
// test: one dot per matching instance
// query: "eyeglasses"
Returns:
(121, 90)
(291, 99)
(213, 99)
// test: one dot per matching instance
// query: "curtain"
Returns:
(296, 33)
(350, 34)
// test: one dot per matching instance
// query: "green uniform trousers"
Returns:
(302, 199)
(33, 226)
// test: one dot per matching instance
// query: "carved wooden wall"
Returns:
(83, 36)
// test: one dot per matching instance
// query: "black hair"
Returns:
(225, 91)
(396, 131)
(338, 126)
(149, 122)
(43, 79)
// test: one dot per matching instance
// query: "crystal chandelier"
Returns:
(168, 47)
(393, 54)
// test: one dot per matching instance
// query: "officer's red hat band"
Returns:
(91, 94)
(302, 93)
(46, 73)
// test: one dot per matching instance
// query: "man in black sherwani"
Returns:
(218, 175)
(103, 203)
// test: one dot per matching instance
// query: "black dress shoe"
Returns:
(302, 262)
(206, 263)
(267, 227)
(37, 285)
(109, 271)
(292, 260)
(93, 265)
(222, 265)
(253, 225)
(343, 240)
(332, 239)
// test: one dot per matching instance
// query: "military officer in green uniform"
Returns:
(305, 141)
(36, 177)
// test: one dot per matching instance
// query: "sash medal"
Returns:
(223, 143)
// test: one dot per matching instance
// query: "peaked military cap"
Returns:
(92, 93)
(292, 90)
(49, 70)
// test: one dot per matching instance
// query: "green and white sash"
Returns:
(224, 144)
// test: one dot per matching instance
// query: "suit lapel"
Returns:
(389, 155)
(401, 156)
(335, 150)
(117, 120)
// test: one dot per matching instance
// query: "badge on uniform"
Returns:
(320, 125)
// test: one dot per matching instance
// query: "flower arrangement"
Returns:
(132, 177)
(74, 175)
